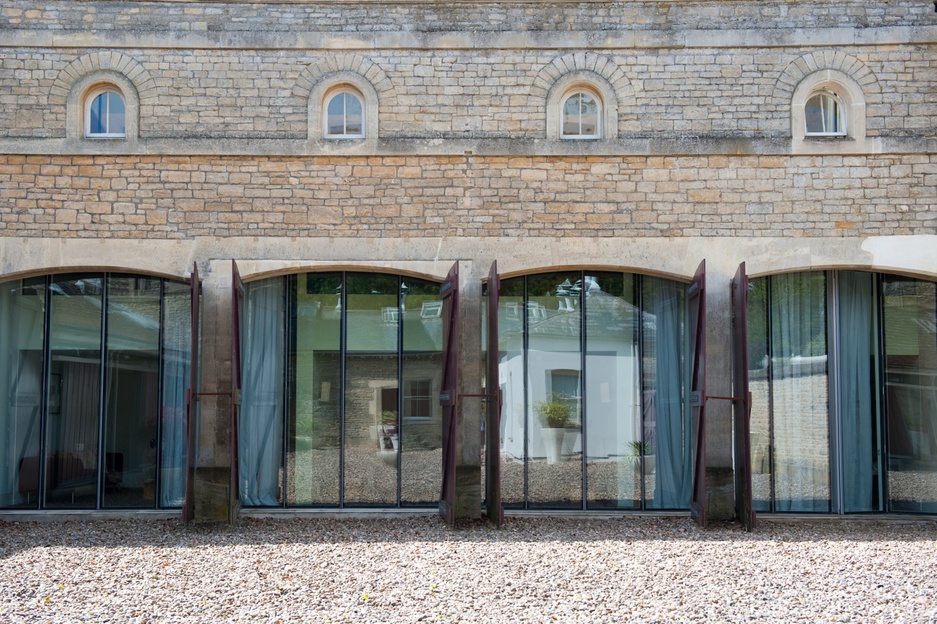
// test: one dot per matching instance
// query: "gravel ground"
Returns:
(411, 569)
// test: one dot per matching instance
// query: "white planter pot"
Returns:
(553, 444)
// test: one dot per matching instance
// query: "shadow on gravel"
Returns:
(136, 533)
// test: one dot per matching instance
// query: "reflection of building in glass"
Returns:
(590, 371)
(327, 425)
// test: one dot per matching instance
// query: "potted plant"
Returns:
(639, 450)
(554, 414)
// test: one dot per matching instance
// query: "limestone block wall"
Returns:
(199, 93)
(390, 197)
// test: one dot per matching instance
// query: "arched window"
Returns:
(344, 114)
(824, 115)
(105, 114)
(581, 115)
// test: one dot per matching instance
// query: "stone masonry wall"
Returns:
(719, 92)
(185, 197)
(371, 16)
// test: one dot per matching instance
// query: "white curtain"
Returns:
(799, 387)
(261, 415)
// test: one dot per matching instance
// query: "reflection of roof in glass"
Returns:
(376, 331)
(606, 315)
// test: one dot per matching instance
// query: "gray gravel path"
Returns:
(415, 570)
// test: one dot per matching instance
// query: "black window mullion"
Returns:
(400, 440)
(525, 344)
(637, 291)
(289, 385)
(343, 345)
(159, 392)
(582, 388)
(44, 395)
(102, 386)
(769, 351)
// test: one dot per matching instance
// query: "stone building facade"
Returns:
(700, 154)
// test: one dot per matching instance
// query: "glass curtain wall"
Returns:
(80, 362)
(593, 410)
(842, 375)
(350, 364)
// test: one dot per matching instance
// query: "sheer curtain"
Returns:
(673, 483)
(799, 386)
(177, 338)
(261, 416)
(856, 387)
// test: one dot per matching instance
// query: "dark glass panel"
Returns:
(910, 319)
(132, 391)
(74, 392)
(22, 305)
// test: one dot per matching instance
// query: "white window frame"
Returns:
(327, 100)
(90, 98)
(582, 81)
(580, 91)
(852, 137)
(840, 115)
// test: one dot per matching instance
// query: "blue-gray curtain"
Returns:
(261, 417)
(856, 390)
(674, 466)
(177, 338)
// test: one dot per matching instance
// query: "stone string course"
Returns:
(393, 197)
(716, 92)
(482, 17)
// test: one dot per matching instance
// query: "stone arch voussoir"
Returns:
(117, 62)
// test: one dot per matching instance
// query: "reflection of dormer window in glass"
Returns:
(345, 116)
(824, 116)
(580, 116)
(106, 115)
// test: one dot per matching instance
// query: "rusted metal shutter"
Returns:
(191, 398)
(237, 301)
(696, 304)
(448, 397)
(495, 509)
(742, 402)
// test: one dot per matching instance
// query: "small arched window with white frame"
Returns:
(824, 115)
(581, 116)
(105, 113)
(344, 114)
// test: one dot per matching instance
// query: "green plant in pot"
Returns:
(555, 412)
(555, 415)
